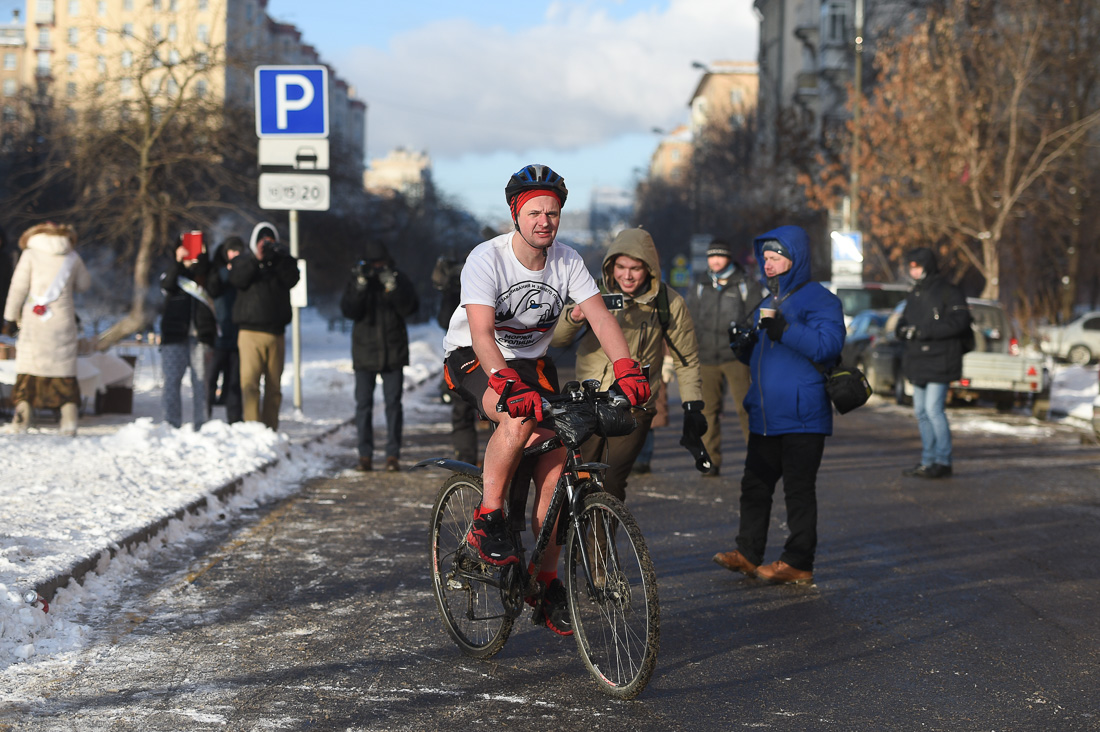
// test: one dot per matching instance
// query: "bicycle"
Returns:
(609, 577)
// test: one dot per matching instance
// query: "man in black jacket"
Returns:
(263, 275)
(188, 328)
(933, 327)
(379, 299)
(723, 296)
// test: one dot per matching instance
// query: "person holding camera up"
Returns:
(801, 324)
(379, 299)
(263, 275)
(188, 328)
(650, 315)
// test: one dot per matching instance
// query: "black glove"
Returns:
(742, 341)
(774, 326)
(8, 328)
(695, 426)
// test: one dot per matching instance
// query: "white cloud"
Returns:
(578, 77)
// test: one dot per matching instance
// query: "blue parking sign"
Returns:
(291, 101)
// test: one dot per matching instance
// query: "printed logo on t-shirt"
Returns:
(524, 312)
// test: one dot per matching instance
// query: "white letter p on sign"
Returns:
(284, 105)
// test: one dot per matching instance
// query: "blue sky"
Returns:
(485, 87)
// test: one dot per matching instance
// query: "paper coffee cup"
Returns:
(767, 313)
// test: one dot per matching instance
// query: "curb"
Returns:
(81, 568)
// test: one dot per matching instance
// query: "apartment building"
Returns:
(82, 50)
(12, 52)
(807, 59)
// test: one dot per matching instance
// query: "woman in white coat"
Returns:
(40, 299)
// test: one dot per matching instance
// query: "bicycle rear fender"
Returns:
(455, 466)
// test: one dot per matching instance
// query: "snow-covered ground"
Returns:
(65, 499)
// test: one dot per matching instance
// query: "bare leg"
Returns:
(502, 453)
(547, 471)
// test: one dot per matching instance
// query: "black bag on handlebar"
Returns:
(614, 421)
(575, 423)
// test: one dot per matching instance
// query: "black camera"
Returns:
(742, 339)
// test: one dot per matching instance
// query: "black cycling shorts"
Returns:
(464, 376)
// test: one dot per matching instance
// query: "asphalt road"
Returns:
(962, 604)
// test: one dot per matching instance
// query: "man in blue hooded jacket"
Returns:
(801, 325)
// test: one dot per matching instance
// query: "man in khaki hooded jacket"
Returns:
(632, 268)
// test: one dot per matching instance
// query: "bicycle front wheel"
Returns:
(616, 618)
(467, 589)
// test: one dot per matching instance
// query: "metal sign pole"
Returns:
(295, 320)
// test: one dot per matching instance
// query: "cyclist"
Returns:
(514, 287)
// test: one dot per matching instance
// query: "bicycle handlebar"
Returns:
(575, 392)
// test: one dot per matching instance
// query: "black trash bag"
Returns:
(614, 421)
(575, 424)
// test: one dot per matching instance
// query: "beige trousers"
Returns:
(262, 357)
(734, 376)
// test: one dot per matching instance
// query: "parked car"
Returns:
(862, 331)
(995, 369)
(1078, 341)
(867, 296)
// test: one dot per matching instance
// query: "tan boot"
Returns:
(69, 415)
(22, 419)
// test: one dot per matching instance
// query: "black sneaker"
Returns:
(918, 471)
(489, 538)
(939, 470)
(553, 609)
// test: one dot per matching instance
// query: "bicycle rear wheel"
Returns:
(467, 589)
(617, 620)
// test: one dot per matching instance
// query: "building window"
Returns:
(70, 61)
(70, 89)
(200, 89)
(74, 7)
(834, 22)
(44, 37)
(127, 59)
(173, 88)
(158, 5)
(101, 64)
(173, 57)
(173, 5)
(128, 5)
(10, 87)
(126, 85)
(9, 61)
(101, 36)
(101, 7)
(9, 114)
(127, 30)
(204, 4)
(157, 34)
(204, 33)
(173, 32)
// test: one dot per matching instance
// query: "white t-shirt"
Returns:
(527, 303)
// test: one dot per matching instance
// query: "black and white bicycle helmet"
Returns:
(532, 177)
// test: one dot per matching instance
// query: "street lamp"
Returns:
(853, 214)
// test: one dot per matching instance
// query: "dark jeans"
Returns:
(392, 383)
(795, 458)
(227, 365)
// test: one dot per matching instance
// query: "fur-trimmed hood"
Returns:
(49, 238)
(256, 234)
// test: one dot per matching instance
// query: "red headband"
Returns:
(525, 196)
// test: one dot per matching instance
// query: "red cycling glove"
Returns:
(630, 380)
(522, 401)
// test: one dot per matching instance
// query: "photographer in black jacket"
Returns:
(379, 299)
(263, 275)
